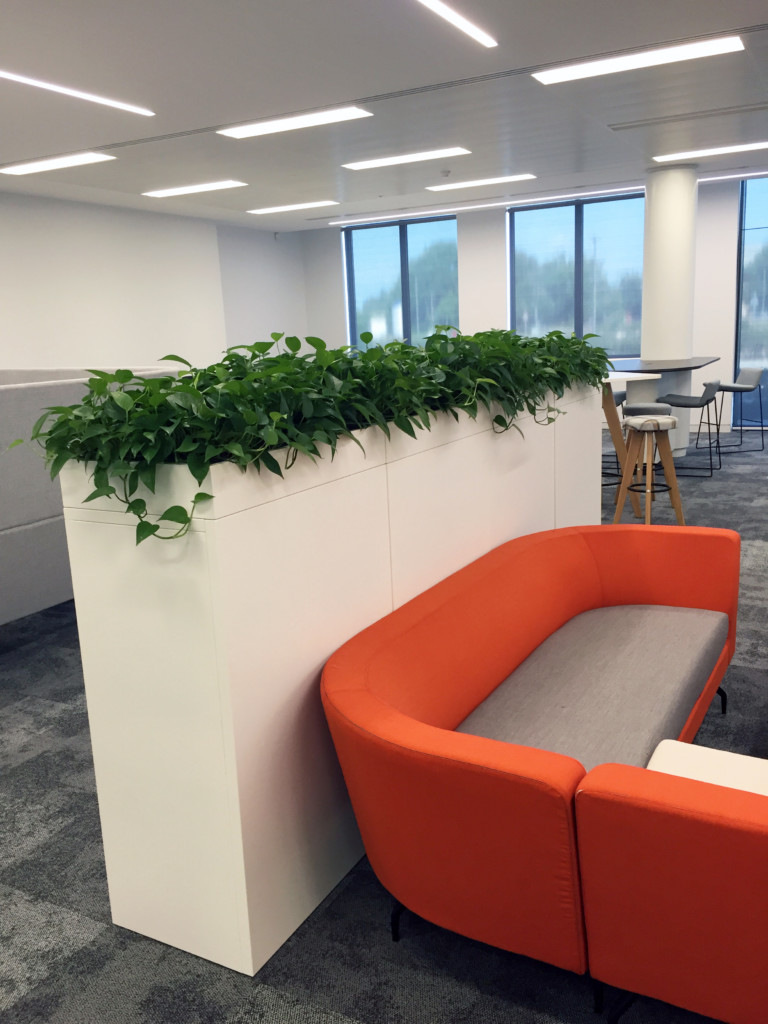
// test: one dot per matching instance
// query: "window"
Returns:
(402, 279)
(579, 267)
(752, 327)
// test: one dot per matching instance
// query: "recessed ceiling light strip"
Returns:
(532, 201)
(295, 206)
(694, 154)
(77, 94)
(184, 190)
(407, 158)
(644, 59)
(731, 177)
(288, 124)
(479, 182)
(56, 163)
(459, 22)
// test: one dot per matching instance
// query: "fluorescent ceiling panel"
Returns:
(480, 181)
(406, 158)
(295, 206)
(54, 164)
(645, 59)
(459, 22)
(289, 124)
(64, 90)
(184, 190)
(694, 154)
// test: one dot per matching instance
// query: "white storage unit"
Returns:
(224, 814)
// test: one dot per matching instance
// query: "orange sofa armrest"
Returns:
(474, 835)
(675, 887)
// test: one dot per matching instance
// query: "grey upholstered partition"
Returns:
(34, 566)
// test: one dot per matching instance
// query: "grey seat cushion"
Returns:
(609, 685)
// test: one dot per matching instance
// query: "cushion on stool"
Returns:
(647, 409)
(648, 423)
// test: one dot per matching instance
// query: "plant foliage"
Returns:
(267, 403)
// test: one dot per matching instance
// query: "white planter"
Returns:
(224, 814)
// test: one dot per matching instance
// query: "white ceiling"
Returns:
(205, 64)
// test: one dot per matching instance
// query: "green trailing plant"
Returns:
(265, 404)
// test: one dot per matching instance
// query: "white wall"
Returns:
(715, 290)
(262, 284)
(84, 285)
(483, 270)
(324, 286)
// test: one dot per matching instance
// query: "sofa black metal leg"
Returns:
(394, 919)
(620, 1007)
(598, 991)
(723, 700)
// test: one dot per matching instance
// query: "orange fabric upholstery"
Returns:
(675, 885)
(473, 834)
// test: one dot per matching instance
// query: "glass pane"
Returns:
(378, 293)
(613, 274)
(753, 307)
(433, 271)
(544, 267)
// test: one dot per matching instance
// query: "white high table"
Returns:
(675, 378)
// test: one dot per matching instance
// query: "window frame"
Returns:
(405, 278)
(578, 254)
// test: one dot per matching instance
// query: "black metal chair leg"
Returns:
(394, 919)
(723, 700)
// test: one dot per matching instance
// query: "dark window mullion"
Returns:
(351, 299)
(405, 283)
(578, 270)
(512, 294)
(740, 277)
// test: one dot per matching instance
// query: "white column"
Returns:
(483, 270)
(669, 263)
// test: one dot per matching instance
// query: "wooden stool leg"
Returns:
(630, 463)
(614, 427)
(648, 476)
(668, 462)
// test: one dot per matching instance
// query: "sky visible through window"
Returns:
(606, 300)
(753, 305)
(432, 285)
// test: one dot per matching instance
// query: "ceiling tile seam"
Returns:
(746, 108)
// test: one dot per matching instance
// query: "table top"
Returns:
(622, 376)
(659, 365)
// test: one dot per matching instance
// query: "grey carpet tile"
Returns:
(35, 808)
(42, 669)
(67, 868)
(269, 1007)
(58, 621)
(34, 726)
(35, 939)
(744, 729)
(122, 978)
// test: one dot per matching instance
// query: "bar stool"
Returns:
(702, 402)
(747, 381)
(654, 430)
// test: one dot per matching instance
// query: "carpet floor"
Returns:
(64, 962)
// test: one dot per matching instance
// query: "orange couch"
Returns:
(473, 834)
